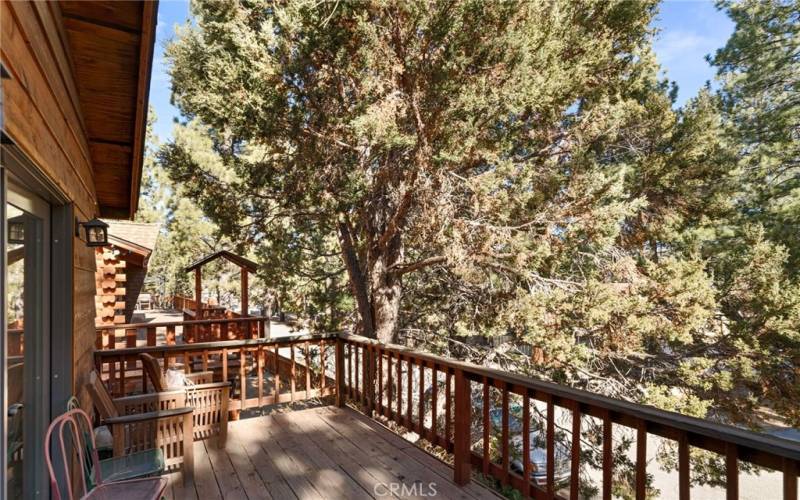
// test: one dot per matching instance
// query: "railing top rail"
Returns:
(213, 346)
(124, 326)
(668, 419)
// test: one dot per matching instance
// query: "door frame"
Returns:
(57, 326)
(37, 333)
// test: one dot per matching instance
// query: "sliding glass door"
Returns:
(27, 332)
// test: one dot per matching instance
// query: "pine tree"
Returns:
(759, 69)
(375, 123)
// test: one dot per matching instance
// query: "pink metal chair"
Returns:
(73, 424)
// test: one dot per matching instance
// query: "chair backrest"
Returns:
(153, 370)
(100, 397)
(70, 436)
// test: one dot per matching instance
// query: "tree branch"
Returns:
(401, 269)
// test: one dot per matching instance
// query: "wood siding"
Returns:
(43, 116)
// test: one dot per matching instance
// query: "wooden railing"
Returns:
(207, 330)
(463, 408)
(262, 371)
(452, 404)
(176, 302)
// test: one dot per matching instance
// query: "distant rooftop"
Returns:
(141, 234)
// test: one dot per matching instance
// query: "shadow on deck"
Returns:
(318, 453)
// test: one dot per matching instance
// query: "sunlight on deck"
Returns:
(317, 453)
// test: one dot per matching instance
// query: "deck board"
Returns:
(317, 453)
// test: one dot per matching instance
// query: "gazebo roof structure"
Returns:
(240, 261)
(245, 265)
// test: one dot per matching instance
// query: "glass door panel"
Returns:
(26, 333)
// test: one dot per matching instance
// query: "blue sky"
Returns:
(688, 31)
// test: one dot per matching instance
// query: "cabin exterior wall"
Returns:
(42, 116)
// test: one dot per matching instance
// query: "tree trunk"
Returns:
(386, 288)
(357, 280)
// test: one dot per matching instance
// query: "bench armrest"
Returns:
(144, 417)
(212, 385)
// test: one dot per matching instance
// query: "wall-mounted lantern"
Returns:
(96, 232)
(16, 231)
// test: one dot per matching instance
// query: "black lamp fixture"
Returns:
(16, 230)
(96, 232)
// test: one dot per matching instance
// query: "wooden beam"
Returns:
(149, 15)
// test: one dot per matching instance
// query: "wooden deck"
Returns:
(318, 453)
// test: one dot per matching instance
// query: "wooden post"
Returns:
(790, 470)
(188, 450)
(198, 293)
(462, 469)
(245, 294)
(130, 341)
(339, 372)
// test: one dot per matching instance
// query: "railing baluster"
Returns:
(130, 341)
(504, 437)
(308, 369)
(380, 380)
(389, 398)
(122, 370)
(683, 467)
(447, 411)
(608, 463)
(641, 460)
(526, 445)
(224, 365)
(350, 393)
(434, 403)
(322, 375)
(112, 376)
(486, 426)
(551, 447)
(243, 378)
(410, 393)
(369, 382)
(276, 389)
(363, 381)
(358, 394)
(339, 367)
(421, 398)
(260, 374)
(399, 418)
(151, 336)
(292, 372)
